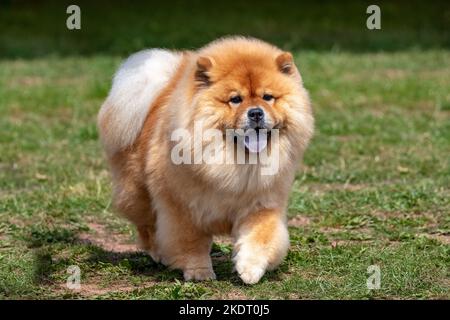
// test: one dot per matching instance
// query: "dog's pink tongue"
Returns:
(255, 142)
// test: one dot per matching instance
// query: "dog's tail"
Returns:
(136, 85)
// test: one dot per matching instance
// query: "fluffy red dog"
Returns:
(232, 83)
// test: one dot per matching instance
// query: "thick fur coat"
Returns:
(177, 208)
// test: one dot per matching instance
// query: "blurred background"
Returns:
(37, 28)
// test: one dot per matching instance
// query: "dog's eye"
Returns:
(268, 97)
(236, 100)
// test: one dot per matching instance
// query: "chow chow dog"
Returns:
(233, 83)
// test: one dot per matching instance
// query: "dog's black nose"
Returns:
(255, 114)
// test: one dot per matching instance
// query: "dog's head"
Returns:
(248, 86)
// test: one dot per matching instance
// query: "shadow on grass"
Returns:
(46, 264)
(137, 263)
(42, 267)
(50, 260)
(46, 243)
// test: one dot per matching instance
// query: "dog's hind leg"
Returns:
(132, 200)
(135, 205)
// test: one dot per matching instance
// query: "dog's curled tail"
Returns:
(136, 85)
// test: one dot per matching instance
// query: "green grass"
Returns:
(375, 183)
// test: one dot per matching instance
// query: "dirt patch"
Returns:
(96, 288)
(234, 295)
(321, 188)
(344, 243)
(106, 239)
(345, 138)
(359, 235)
(26, 81)
(393, 74)
(386, 215)
(299, 221)
(331, 230)
(442, 238)
(383, 215)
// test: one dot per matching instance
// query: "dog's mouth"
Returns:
(254, 140)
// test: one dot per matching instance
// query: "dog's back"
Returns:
(136, 85)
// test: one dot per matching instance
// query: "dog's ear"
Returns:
(204, 65)
(285, 63)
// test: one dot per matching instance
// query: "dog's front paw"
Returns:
(249, 273)
(199, 274)
(250, 265)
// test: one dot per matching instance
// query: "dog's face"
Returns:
(248, 91)
(255, 86)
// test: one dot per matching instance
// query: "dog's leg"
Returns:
(262, 241)
(181, 245)
(133, 202)
(135, 205)
(146, 238)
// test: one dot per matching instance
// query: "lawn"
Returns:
(373, 188)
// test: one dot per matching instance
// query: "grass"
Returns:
(374, 187)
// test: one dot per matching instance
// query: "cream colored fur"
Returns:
(178, 208)
(136, 84)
